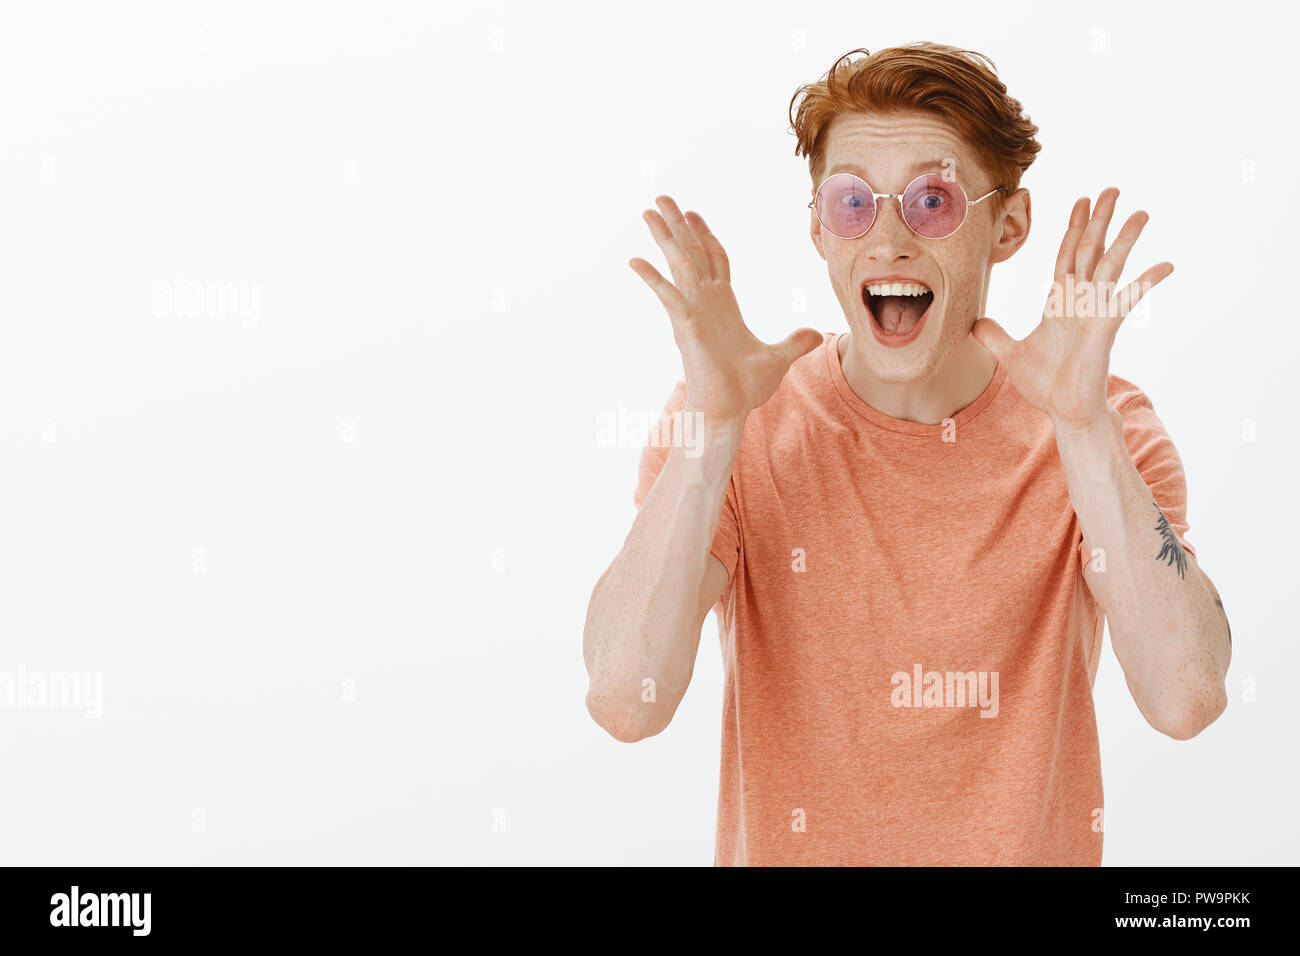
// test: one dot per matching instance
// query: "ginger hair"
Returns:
(959, 86)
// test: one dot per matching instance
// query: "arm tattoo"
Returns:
(1222, 610)
(1225, 617)
(1172, 552)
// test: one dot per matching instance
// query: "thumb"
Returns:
(993, 337)
(798, 343)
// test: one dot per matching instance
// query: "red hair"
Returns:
(959, 86)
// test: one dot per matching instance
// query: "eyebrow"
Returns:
(925, 164)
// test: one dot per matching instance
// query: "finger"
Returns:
(994, 337)
(719, 264)
(797, 343)
(1078, 222)
(685, 235)
(1094, 237)
(1112, 263)
(672, 299)
(1132, 293)
(685, 275)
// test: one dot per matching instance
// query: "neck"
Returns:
(957, 382)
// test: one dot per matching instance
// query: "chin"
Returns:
(899, 364)
(897, 369)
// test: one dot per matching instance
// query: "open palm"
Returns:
(729, 371)
(1062, 366)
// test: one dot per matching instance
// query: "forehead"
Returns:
(890, 146)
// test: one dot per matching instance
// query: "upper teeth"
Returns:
(897, 288)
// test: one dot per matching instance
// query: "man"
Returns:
(912, 531)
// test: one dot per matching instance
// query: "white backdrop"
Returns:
(312, 315)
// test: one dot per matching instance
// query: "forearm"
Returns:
(1166, 625)
(643, 622)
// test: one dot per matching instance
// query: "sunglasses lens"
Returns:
(933, 206)
(845, 205)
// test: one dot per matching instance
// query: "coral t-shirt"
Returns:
(909, 645)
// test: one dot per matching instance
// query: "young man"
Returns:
(914, 530)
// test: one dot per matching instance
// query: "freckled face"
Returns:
(890, 150)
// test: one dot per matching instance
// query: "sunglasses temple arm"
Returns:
(986, 195)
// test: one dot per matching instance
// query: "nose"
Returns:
(889, 239)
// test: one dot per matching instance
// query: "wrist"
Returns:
(701, 438)
(1096, 430)
(714, 430)
(1093, 451)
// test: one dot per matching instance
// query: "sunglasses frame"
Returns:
(876, 197)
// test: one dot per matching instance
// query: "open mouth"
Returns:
(898, 309)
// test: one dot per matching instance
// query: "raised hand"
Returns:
(729, 372)
(1062, 366)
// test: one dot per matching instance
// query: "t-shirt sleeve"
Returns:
(1155, 457)
(664, 433)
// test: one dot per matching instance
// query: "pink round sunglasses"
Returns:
(933, 207)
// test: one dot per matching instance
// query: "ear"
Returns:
(1012, 228)
(815, 230)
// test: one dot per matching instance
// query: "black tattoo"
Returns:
(1225, 617)
(1222, 610)
(1172, 552)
